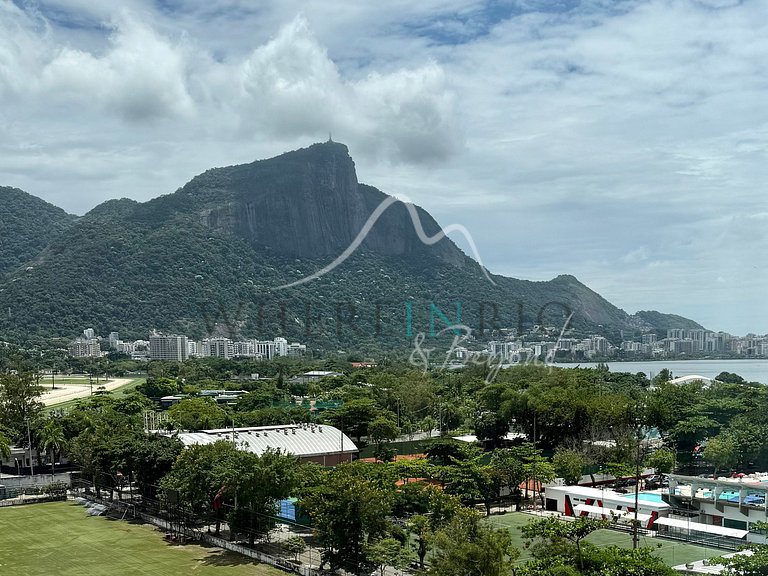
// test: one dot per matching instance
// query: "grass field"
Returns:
(60, 539)
(670, 551)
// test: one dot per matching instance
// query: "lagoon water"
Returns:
(750, 370)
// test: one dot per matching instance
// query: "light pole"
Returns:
(29, 439)
(635, 523)
(535, 457)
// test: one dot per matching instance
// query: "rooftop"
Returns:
(301, 440)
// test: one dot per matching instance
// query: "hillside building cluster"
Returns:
(679, 342)
(519, 350)
(175, 347)
(684, 342)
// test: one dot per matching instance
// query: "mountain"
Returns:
(211, 258)
(666, 321)
(27, 225)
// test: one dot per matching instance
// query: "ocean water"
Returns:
(750, 370)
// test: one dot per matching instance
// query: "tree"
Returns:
(102, 440)
(157, 387)
(730, 378)
(258, 483)
(155, 456)
(262, 397)
(428, 424)
(422, 530)
(353, 417)
(204, 476)
(469, 547)
(294, 545)
(510, 471)
(662, 460)
(743, 565)
(471, 480)
(569, 464)
(408, 428)
(348, 508)
(200, 477)
(552, 534)
(381, 431)
(197, 414)
(536, 467)
(439, 510)
(722, 452)
(490, 427)
(19, 403)
(443, 451)
(616, 561)
(755, 564)
(5, 447)
(662, 377)
(52, 440)
(388, 552)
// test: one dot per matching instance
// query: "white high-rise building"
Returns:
(281, 346)
(264, 349)
(85, 348)
(125, 347)
(245, 349)
(218, 347)
(168, 347)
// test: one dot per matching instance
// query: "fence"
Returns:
(277, 562)
(38, 480)
(16, 501)
(181, 525)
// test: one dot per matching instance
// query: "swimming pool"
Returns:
(646, 496)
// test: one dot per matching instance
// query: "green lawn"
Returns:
(60, 539)
(671, 551)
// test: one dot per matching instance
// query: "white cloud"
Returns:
(292, 88)
(140, 77)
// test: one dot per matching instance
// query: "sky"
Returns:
(621, 141)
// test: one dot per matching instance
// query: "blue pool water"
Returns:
(647, 496)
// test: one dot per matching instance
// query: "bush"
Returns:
(56, 489)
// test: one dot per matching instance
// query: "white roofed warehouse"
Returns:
(317, 443)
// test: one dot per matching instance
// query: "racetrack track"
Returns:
(67, 392)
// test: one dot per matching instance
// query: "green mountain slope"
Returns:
(27, 225)
(666, 321)
(211, 258)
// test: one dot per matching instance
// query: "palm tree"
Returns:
(52, 440)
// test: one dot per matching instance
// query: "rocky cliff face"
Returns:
(308, 203)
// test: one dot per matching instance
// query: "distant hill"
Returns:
(27, 225)
(666, 321)
(209, 258)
